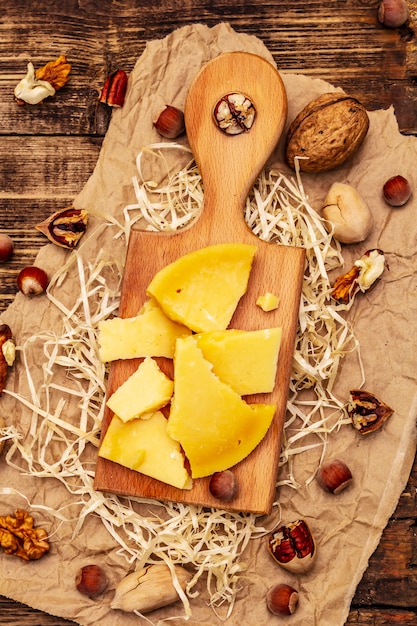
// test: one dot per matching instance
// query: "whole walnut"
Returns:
(326, 132)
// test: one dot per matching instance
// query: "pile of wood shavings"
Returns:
(212, 541)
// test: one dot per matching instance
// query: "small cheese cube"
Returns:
(268, 302)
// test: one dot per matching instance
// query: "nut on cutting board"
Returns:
(229, 164)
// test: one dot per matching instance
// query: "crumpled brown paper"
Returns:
(348, 527)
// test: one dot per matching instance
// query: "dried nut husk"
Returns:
(327, 132)
(2, 425)
(149, 588)
(347, 213)
(367, 412)
(293, 547)
(65, 227)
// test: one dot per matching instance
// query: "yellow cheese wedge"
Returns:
(215, 427)
(145, 446)
(145, 391)
(202, 289)
(151, 333)
(245, 360)
(268, 302)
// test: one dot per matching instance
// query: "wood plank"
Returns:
(339, 41)
(346, 46)
(35, 184)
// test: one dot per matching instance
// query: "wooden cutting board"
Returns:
(229, 166)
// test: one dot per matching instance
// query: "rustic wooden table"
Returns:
(48, 152)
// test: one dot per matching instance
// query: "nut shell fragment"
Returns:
(65, 227)
(149, 588)
(326, 132)
(367, 412)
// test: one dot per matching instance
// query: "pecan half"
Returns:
(114, 89)
(366, 411)
(65, 227)
(293, 547)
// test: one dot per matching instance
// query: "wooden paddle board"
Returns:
(229, 166)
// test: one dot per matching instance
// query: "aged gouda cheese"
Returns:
(146, 390)
(150, 333)
(202, 289)
(214, 425)
(245, 360)
(145, 446)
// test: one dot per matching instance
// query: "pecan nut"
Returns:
(293, 546)
(366, 411)
(65, 227)
(114, 89)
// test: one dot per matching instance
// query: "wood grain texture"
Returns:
(228, 166)
(339, 41)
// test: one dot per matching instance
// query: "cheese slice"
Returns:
(213, 424)
(145, 391)
(146, 447)
(202, 289)
(245, 360)
(151, 333)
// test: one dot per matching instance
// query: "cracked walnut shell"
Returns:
(327, 132)
(367, 412)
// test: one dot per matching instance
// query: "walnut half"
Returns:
(19, 537)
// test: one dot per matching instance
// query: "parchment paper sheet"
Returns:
(347, 527)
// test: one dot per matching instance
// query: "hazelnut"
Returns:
(397, 191)
(222, 485)
(91, 580)
(169, 122)
(334, 476)
(393, 13)
(32, 280)
(6, 247)
(282, 599)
